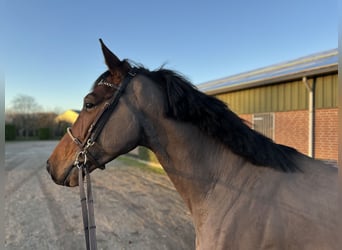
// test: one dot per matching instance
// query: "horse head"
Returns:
(107, 116)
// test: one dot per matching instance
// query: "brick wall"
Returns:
(291, 129)
(326, 134)
(248, 119)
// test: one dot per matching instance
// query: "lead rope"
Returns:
(87, 201)
(87, 204)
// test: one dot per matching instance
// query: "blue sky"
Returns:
(51, 50)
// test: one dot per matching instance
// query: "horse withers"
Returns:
(243, 190)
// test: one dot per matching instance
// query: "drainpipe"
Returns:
(311, 116)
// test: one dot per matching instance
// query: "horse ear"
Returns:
(117, 68)
(112, 61)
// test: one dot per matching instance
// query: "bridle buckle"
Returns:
(90, 143)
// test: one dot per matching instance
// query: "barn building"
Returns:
(294, 103)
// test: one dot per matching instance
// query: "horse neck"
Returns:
(191, 159)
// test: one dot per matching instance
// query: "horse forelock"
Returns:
(183, 102)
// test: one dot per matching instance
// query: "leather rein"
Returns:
(84, 155)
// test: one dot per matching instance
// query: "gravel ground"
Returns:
(135, 208)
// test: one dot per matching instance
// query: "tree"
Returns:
(25, 104)
(23, 113)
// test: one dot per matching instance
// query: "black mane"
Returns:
(185, 103)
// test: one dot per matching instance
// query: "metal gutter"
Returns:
(311, 123)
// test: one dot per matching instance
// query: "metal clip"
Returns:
(90, 143)
(78, 156)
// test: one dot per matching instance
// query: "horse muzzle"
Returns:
(69, 178)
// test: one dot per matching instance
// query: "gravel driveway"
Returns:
(135, 208)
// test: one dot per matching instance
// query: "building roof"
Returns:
(319, 63)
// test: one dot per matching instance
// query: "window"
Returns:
(264, 123)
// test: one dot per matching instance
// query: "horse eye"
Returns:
(89, 105)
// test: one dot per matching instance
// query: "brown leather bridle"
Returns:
(101, 119)
(84, 155)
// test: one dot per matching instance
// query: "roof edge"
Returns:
(245, 80)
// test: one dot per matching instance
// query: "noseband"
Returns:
(83, 155)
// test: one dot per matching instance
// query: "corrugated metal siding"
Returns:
(326, 91)
(282, 97)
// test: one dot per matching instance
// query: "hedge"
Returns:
(10, 132)
(44, 134)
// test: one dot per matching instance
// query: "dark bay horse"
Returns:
(243, 190)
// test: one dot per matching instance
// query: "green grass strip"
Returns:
(142, 165)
